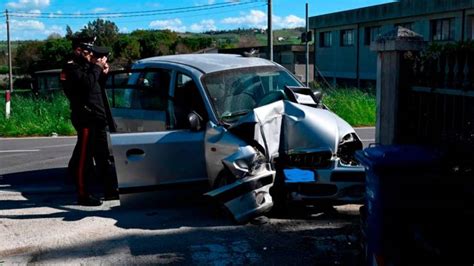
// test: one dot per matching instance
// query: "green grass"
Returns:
(353, 105)
(3, 69)
(35, 116)
(44, 116)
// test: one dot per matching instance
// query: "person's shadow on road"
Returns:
(154, 210)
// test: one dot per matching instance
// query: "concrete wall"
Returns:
(284, 55)
(337, 61)
(341, 62)
(396, 10)
(300, 71)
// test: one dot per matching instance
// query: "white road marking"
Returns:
(16, 151)
(56, 146)
(21, 138)
(34, 165)
(367, 140)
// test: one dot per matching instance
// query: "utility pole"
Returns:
(10, 76)
(307, 45)
(270, 31)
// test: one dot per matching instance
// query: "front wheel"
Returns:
(224, 178)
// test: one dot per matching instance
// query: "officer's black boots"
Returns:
(111, 194)
(89, 201)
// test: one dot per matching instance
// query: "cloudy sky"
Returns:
(36, 19)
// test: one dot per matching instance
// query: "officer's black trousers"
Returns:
(91, 147)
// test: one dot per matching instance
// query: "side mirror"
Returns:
(318, 96)
(194, 121)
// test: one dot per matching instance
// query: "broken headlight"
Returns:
(247, 161)
(349, 144)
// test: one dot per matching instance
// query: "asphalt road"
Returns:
(31, 154)
(40, 222)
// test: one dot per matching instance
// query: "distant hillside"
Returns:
(249, 37)
(228, 38)
(129, 47)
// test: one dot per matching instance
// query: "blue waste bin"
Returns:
(396, 178)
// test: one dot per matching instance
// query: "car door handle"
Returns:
(135, 154)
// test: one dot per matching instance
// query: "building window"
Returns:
(406, 25)
(325, 39)
(371, 34)
(442, 29)
(347, 37)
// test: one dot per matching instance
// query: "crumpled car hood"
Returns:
(289, 127)
(281, 127)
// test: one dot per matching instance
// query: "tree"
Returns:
(155, 42)
(248, 41)
(54, 35)
(106, 32)
(54, 53)
(28, 56)
(127, 49)
(189, 45)
(181, 48)
(69, 32)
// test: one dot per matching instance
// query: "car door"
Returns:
(148, 150)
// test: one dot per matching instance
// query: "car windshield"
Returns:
(236, 92)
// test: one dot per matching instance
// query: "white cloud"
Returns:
(99, 9)
(152, 4)
(33, 30)
(34, 13)
(290, 21)
(255, 18)
(258, 19)
(52, 15)
(204, 25)
(28, 4)
(54, 29)
(170, 24)
(30, 25)
(124, 30)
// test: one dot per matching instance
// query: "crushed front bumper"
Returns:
(337, 184)
(248, 197)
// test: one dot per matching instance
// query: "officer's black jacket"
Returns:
(82, 86)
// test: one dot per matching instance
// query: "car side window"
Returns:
(140, 104)
(186, 99)
(152, 90)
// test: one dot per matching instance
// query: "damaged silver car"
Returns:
(245, 125)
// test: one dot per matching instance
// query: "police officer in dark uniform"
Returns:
(83, 78)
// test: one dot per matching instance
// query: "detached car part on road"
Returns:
(246, 125)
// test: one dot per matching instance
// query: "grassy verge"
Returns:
(353, 105)
(35, 116)
(42, 117)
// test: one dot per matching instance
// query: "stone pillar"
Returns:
(391, 47)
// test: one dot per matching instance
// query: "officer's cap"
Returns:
(83, 42)
(100, 51)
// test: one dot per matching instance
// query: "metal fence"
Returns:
(437, 96)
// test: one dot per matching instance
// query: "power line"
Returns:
(194, 15)
(149, 11)
(136, 13)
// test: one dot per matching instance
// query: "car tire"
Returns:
(224, 178)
